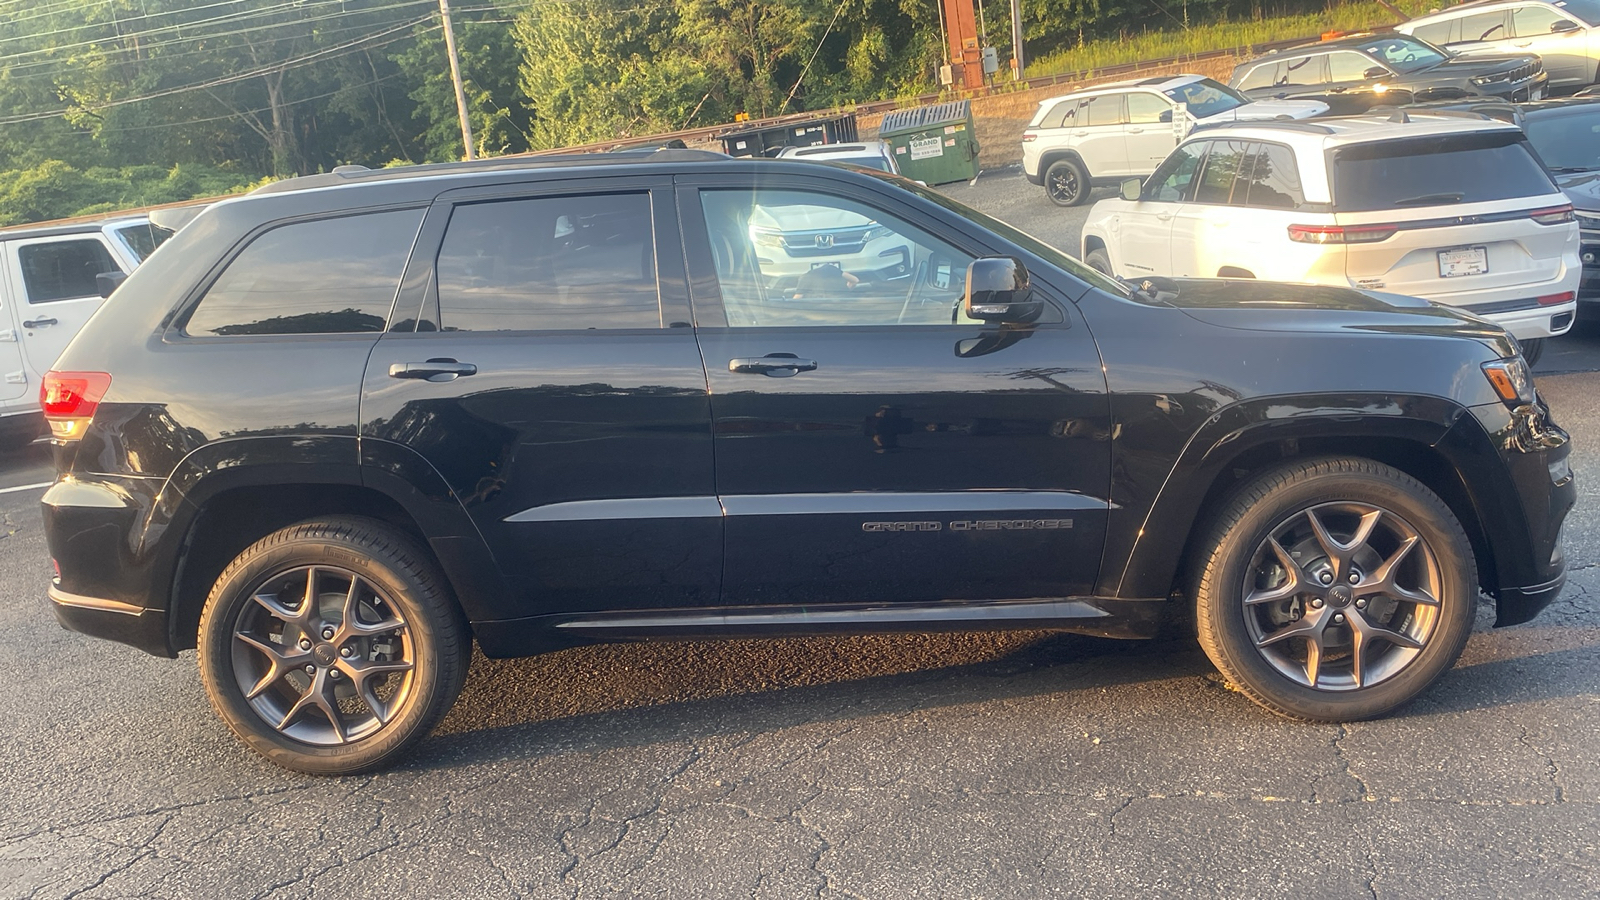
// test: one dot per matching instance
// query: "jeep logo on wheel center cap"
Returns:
(324, 654)
(1339, 596)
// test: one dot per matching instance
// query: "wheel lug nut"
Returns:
(334, 674)
(1361, 604)
(1316, 602)
(327, 634)
(1355, 577)
(1326, 578)
(346, 652)
(305, 643)
(311, 670)
(1338, 618)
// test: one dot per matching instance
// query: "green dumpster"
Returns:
(933, 144)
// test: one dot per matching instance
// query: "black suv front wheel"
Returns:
(331, 647)
(1335, 589)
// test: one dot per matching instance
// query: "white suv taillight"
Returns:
(69, 400)
(1555, 215)
(1029, 137)
(1341, 234)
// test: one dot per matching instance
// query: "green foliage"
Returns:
(55, 189)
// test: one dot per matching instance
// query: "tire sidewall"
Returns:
(1225, 613)
(1078, 171)
(231, 594)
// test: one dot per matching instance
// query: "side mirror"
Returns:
(1166, 116)
(1132, 189)
(1375, 72)
(106, 282)
(998, 290)
(1564, 26)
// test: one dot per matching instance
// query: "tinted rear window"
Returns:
(1442, 170)
(327, 276)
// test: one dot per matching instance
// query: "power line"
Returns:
(269, 68)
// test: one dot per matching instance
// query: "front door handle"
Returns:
(776, 365)
(38, 323)
(432, 370)
(1164, 217)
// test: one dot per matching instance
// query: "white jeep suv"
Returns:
(1565, 34)
(1453, 209)
(1102, 135)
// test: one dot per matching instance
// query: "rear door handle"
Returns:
(776, 365)
(1136, 131)
(38, 323)
(432, 370)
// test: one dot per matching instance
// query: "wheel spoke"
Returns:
(317, 696)
(1382, 580)
(1340, 553)
(279, 611)
(1313, 660)
(364, 676)
(1310, 629)
(279, 658)
(1292, 585)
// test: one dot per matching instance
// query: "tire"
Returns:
(1293, 650)
(1066, 183)
(407, 651)
(1100, 261)
(1532, 349)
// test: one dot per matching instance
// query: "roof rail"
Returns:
(1283, 124)
(357, 174)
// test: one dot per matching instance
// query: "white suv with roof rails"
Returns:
(1565, 34)
(1107, 133)
(1451, 208)
(868, 154)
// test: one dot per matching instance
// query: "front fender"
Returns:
(1143, 552)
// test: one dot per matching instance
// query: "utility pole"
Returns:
(455, 76)
(1016, 38)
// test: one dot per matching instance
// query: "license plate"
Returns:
(1466, 261)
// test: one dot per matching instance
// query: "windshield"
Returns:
(143, 239)
(1567, 142)
(1020, 238)
(1207, 98)
(1587, 10)
(1404, 53)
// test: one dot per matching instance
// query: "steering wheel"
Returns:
(1409, 57)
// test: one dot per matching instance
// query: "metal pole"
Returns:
(455, 76)
(1016, 35)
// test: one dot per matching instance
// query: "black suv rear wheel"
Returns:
(1335, 589)
(330, 647)
(1066, 182)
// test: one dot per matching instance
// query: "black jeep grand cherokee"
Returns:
(335, 431)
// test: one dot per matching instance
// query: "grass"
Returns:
(1220, 35)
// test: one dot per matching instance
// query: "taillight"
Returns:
(1555, 215)
(69, 400)
(1341, 234)
(1554, 299)
(1029, 137)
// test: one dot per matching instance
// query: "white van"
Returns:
(49, 287)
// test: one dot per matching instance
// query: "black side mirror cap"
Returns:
(1375, 72)
(1166, 116)
(999, 290)
(106, 282)
(1564, 26)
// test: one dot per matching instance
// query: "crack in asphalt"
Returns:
(1338, 751)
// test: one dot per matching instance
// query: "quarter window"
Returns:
(63, 270)
(1144, 109)
(800, 258)
(329, 276)
(1172, 182)
(549, 263)
(1060, 115)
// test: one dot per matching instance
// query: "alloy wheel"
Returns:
(1342, 596)
(322, 655)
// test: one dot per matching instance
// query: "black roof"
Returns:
(1354, 40)
(344, 175)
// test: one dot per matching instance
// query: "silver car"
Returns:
(1565, 34)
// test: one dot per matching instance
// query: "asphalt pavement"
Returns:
(966, 765)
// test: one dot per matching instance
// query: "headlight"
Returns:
(1511, 380)
(1481, 80)
(762, 238)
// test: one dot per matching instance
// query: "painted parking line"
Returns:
(26, 487)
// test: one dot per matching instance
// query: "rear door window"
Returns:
(1222, 165)
(1269, 178)
(1308, 70)
(550, 263)
(1442, 170)
(1106, 110)
(1264, 75)
(64, 270)
(328, 276)
(1489, 26)
(1439, 33)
